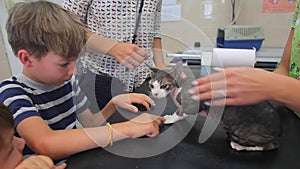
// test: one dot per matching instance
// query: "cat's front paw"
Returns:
(170, 119)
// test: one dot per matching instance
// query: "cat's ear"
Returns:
(153, 70)
(177, 70)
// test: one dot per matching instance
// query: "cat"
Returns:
(163, 83)
(251, 128)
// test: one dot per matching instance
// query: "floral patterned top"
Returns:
(295, 54)
(116, 19)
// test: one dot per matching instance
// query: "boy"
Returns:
(44, 99)
(11, 147)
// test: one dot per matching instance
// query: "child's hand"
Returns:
(38, 162)
(125, 101)
(145, 124)
(62, 166)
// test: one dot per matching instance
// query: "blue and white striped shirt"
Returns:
(56, 105)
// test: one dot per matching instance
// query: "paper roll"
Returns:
(227, 57)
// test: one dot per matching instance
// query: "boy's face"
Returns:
(51, 69)
(11, 154)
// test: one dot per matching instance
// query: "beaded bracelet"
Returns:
(110, 139)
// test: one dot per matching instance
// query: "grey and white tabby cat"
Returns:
(163, 83)
(251, 128)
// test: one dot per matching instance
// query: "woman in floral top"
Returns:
(252, 85)
(295, 53)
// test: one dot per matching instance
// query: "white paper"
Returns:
(208, 8)
(226, 57)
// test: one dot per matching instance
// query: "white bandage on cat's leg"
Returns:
(170, 119)
(239, 147)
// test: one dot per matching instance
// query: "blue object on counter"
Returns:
(239, 44)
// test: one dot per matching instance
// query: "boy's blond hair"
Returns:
(41, 27)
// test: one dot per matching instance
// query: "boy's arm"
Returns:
(58, 144)
(88, 119)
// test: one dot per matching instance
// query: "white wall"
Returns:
(196, 26)
(14, 65)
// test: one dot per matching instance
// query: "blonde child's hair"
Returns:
(41, 27)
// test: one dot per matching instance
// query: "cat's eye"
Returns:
(151, 86)
(165, 86)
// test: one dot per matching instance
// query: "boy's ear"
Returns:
(25, 58)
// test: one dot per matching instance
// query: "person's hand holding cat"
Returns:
(237, 85)
(125, 101)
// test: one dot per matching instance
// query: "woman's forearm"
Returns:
(97, 43)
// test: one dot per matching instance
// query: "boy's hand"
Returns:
(38, 162)
(125, 101)
(144, 125)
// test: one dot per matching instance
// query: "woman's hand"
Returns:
(236, 86)
(125, 101)
(128, 54)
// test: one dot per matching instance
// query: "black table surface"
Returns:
(188, 153)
